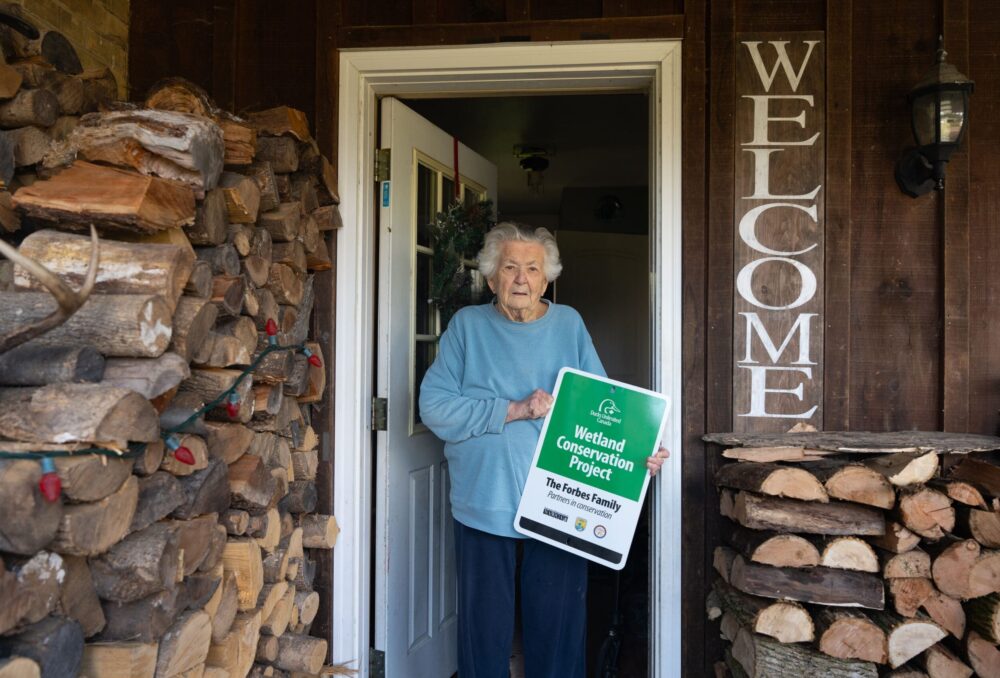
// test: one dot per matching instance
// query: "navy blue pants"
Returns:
(553, 606)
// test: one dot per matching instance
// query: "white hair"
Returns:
(508, 231)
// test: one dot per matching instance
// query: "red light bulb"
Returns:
(49, 484)
(271, 327)
(312, 358)
(184, 455)
(233, 406)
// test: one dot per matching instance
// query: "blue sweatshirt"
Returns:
(484, 362)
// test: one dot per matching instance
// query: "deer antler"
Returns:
(68, 301)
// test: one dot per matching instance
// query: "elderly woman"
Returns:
(485, 396)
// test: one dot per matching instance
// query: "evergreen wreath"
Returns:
(457, 235)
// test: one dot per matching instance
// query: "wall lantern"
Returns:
(939, 112)
(533, 160)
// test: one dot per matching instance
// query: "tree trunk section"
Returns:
(765, 513)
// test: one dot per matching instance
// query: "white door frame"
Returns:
(500, 70)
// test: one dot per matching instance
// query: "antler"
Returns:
(68, 301)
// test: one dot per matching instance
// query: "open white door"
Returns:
(414, 555)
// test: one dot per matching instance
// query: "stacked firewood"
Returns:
(185, 545)
(859, 554)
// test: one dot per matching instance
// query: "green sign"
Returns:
(588, 478)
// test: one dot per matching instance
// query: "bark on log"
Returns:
(263, 174)
(926, 512)
(301, 497)
(36, 587)
(99, 88)
(864, 442)
(240, 140)
(847, 634)
(149, 461)
(206, 491)
(328, 218)
(242, 197)
(301, 653)
(305, 464)
(785, 622)
(144, 620)
(159, 495)
(91, 529)
(761, 657)
(119, 660)
(193, 320)
(117, 325)
(33, 365)
(195, 537)
(770, 548)
(283, 222)
(907, 637)
(149, 377)
(778, 620)
(29, 520)
(942, 663)
(211, 220)
(62, 413)
(983, 526)
(765, 513)
(251, 485)
(208, 383)
(56, 644)
(236, 652)
(78, 599)
(38, 107)
(842, 588)
(897, 538)
(228, 442)
(947, 612)
(280, 121)
(227, 294)
(906, 468)
(223, 259)
(144, 563)
(29, 144)
(984, 656)
(184, 645)
(91, 477)
(769, 479)
(175, 146)
(86, 193)
(319, 531)
(722, 561)
(983, 616)
(909, 594)
(961, 491)
(236, 522)
(281, 152)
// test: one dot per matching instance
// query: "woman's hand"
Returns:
(535, 406)
(654, 462)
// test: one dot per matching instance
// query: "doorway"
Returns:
(578, 165)
(365, 75)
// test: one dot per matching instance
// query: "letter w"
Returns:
(779, 46)
(801, 324)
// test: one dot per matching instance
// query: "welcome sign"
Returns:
(588, 477)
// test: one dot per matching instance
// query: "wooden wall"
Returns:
(912, 326)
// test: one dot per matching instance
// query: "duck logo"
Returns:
(608, 407)
(581, 524)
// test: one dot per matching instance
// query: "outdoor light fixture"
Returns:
(939, 112)
(533, 160)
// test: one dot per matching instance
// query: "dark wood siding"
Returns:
(912, 325)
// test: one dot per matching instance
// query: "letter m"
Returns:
(754, 325)
(783, 62)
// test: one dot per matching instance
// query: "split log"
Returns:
(148, 462)
(947, 612)
(778, 620)
(36, 592)
(78, 599)
(964, 570)
(183, 413)
(213, 552)
(29, 144)
(144, 563)
(319, 531)
(769, 479)
(275, 566)
(99, 88)
(91, 529)
(981, 473)
(282, 223)
(906, 468)
(864, 442)
(267, 648)
(223, 606)
(328, 180)
(29, 521)
(328, 218)
(227, 294)
(278, 620)
(208, 383)
(116, 325)
(236, 652)
(305, 464)
(176, 146)
(983, 655)
(198, 450)
(763, 455)
(281, 152)
(251, 485)
(263, 174)
(897, 538)
(56, 644)
(722, 561)
(983, 526)
(228, 442)
(87, 193)
(91, 477)
(38, 107)
(942, 663)
(820, 585)
(785, 622)
(149, 377)
(907, 637)
(960, 491)
(304, 190)
(983, 615)
(293, 255)
(762, 657)
(144, 620)
(301, 497)
(269, 597)
(211, 220)
(193, 320)
(849, 553)
(33, 365)
(266, 530)
(909, 594)
(69, 92)
(301, 653)
(242, 329)
(206, 491)
(10, 81)
(238, 236)
(195, 538)
(915, 563)
(766, 513)
(926, 512)
(275, 368)
(19, 667)
(848, 634)
(256, 269)
(780, 550)
(268, 400)
(280, 121)
(119, 660)
(185, 645)
(319, 259)
(242, 197)
(221, 351)
(242, 557)
(159, 495)
(223, 259)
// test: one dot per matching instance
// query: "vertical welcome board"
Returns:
(780, 152)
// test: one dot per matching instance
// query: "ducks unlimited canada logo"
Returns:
(606, 411)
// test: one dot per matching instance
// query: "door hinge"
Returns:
(382, 158)
(376, 663)
(380, 414)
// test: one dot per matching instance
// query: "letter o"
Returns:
(745, 278)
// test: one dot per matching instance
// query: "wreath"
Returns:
(457, 236)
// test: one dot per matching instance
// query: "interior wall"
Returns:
(912, 336)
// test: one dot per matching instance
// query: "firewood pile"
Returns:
(157, 459)
(859, 554)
